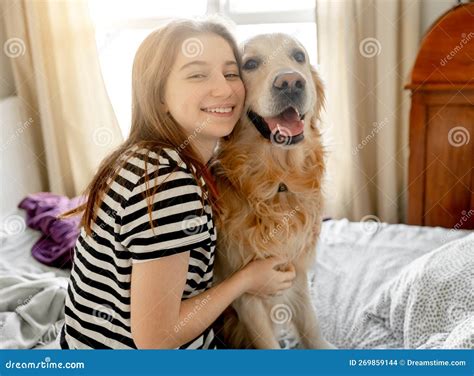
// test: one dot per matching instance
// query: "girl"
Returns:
(143, 264)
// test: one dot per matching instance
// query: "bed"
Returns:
(360, 271)
(394, 286)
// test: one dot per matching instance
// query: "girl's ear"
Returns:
(164, 107)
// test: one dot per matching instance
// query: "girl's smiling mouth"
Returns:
(224, 110)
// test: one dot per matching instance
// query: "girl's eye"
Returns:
(197, 76)
(232, 75)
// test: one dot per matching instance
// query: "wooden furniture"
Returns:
(441, 165)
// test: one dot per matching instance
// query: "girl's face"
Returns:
(204, 92)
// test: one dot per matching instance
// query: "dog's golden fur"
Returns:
(257, 220)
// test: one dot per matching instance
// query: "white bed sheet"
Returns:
(354, 260)
(17, 263)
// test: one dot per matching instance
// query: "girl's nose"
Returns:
(221, 87)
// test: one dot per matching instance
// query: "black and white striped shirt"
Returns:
(97, 311)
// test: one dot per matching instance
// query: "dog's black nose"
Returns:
(290, 82)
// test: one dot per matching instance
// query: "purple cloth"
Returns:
(56, 246)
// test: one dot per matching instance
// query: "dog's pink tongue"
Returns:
(288, 123)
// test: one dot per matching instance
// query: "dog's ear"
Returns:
(320, 98)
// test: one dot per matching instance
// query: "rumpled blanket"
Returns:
(56, 246)
(430, 305)
(31, 309)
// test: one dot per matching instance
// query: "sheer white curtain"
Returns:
(52, 49)
(366, 49)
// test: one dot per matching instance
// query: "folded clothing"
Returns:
(56, 246)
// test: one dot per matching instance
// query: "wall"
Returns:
(432, 9)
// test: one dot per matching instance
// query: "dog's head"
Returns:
(284, 93)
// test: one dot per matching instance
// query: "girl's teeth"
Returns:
(220, 110)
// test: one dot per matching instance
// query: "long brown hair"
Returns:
(152, 127)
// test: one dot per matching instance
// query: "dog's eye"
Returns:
(299, 57)
(250, 64)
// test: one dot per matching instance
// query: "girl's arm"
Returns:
(159, 319)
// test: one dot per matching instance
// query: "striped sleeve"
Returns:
(178, 217)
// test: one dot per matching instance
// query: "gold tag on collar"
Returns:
(282, 188)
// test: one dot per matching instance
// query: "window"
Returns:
(122, 24)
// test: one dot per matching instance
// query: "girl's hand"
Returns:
(262, 277)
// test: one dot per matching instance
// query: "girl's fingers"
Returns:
(282, 288)
(287, 276)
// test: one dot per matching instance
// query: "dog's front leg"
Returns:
(254, 316)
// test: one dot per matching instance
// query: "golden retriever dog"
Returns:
(269, 173)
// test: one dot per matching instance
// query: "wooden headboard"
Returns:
(441, 164)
